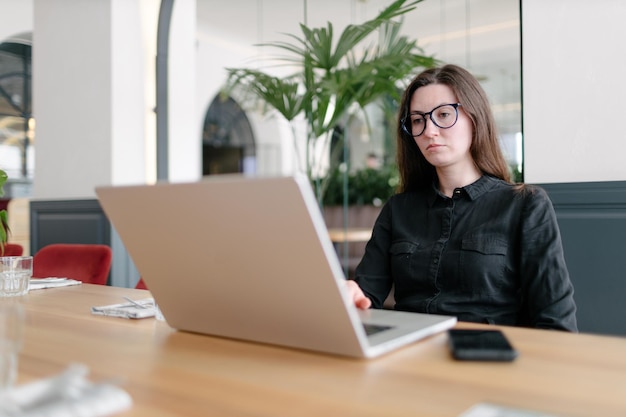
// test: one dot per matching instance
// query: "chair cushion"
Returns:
(13, 249)
(89, 263)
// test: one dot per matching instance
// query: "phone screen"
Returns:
(480, 345)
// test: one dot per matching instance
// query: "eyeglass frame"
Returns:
(430, 116)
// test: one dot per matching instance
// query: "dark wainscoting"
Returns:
(80, 221)
(592, 218)
(67, 221)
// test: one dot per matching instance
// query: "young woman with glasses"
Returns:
(459, 238)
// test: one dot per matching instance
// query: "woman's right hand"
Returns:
(357, 296)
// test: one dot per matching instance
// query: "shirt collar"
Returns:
(473, 191)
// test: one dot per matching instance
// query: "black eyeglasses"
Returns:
(443, 116)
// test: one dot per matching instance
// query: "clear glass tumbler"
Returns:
(15, 274)
(11, 329)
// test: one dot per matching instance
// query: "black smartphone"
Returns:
(480, 345)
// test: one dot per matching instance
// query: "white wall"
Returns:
(185, 132)
(72, 97)
(20, 19)
(93, 95)
(128, 67)
(574, 68)
(219, 47)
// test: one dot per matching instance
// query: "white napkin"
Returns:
(133, 309)
(51, 282)
(68, 394)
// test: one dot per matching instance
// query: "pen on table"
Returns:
(135, 303)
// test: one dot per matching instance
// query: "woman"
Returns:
(459, 238)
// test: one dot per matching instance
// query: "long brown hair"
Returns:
(415, 171)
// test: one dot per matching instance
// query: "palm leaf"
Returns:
(318, 42)
(280, 93)
(3, 180)
(331, 78)
(4, 226)
(354, 34)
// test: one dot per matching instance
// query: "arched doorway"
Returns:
(227, 140)
(16, 121)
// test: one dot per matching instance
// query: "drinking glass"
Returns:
(15, 274)
(11, 327)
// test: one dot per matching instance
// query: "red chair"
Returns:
(141, 284)
(89, 263)
(12, 249)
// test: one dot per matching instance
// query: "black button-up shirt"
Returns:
(492, 254)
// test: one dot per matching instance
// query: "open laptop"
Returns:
(251, 259)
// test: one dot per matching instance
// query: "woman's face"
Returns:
(442, 148)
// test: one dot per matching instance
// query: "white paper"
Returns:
(51, 282)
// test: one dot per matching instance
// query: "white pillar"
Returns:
(93, 95)
(185, 131)
(573, 90)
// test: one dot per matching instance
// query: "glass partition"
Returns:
(480, 35)
(484, 37)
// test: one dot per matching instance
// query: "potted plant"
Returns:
(4, 227)
(15, 271)
(354, 200)
(366, 186)
(333, 79)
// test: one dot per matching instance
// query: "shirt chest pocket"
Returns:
(401, 254)
(403, 249)
(485, 245)
(409, 264)
(483, 264)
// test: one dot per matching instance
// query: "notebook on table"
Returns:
(250, 258)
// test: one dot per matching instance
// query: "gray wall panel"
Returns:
(592, 218)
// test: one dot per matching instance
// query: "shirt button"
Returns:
(436, 261)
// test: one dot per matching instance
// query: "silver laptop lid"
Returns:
(239, 257)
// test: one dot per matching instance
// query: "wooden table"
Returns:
(170, 373)
(344, 240)
(350, 234)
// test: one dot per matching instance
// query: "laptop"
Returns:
(250, 258)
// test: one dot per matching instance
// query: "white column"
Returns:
(573, 63)
(185, 131)
(93, 95)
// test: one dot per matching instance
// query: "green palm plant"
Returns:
(333, 78)
(4, 228)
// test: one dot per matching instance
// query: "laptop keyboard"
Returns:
(371, 329)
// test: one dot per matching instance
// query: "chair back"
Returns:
(89, 263)
(13, 249)
(141, 285)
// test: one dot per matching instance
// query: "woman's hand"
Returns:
(357, 296)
